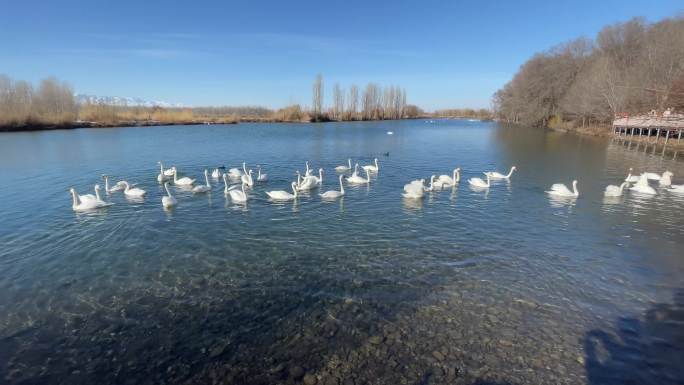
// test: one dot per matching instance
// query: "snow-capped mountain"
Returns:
(122, 101)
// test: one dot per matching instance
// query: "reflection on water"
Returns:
(505, 284)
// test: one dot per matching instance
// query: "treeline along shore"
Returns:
(52, 105)
(633, 68)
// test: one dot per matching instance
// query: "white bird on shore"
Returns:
(615, 191)
(261, 177)
(184, 181)
(238, 196)
(205, 187)
(498, 175)
(479, 183)
(560, 190)
(168, 200)
(133, 192)
(334, 194)
(281, 195)
(372, 168)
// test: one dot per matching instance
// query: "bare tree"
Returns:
(353, 107)
(338, 102)
(317, 106)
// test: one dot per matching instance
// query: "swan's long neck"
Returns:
(225, 184)
(244, 168)
(127, 186)
(308, 171)
(320, 175)
(376, 164)
(106, 178)
(294, 189)
(161, 169)
(432, 181)
(166, 187)
(487, 180)
(574, 188)
(206, 178)
(97, 193)
(259, 173)
(341, 185)
(74, 198)
(349, 163)
(299, 178)
(622, 186)
(175, 176)
(510, 172)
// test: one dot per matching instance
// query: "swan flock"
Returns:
(238, 182)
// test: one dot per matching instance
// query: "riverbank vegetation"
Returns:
(629, 68)
(52, 105)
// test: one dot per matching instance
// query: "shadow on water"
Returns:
(639, 351)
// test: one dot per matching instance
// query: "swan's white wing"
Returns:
(561, 188)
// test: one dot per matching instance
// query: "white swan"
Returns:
(236, 173)
(184, 181)
(247, 178)
(414, 190)
(120, 185)
(308, 170)
(615, 191)
(97, 198)
(643, 187)
(168, 171)
(226, 189)
(204, 187)
(238, 196)
(479, 183)
(498, 175)
(372, 168)
(449, 181)
(162, 174)
(133, 192)
(281, 195)
(432, 184)
(631, 178)
(666, 179)
(343, 168)
(89, 204)
(652, 176)
(261, 177)
(168, 200)
(356, 179)
(676, 188)
(334, 194)
(560, 190)
(216, 173)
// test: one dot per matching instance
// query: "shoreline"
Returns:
(607, 132)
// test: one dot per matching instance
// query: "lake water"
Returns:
(501, 287)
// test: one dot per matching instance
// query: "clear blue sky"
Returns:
(445, 53)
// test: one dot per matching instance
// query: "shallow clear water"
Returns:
(506, 286)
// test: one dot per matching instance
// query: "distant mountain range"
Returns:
(122, 101)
